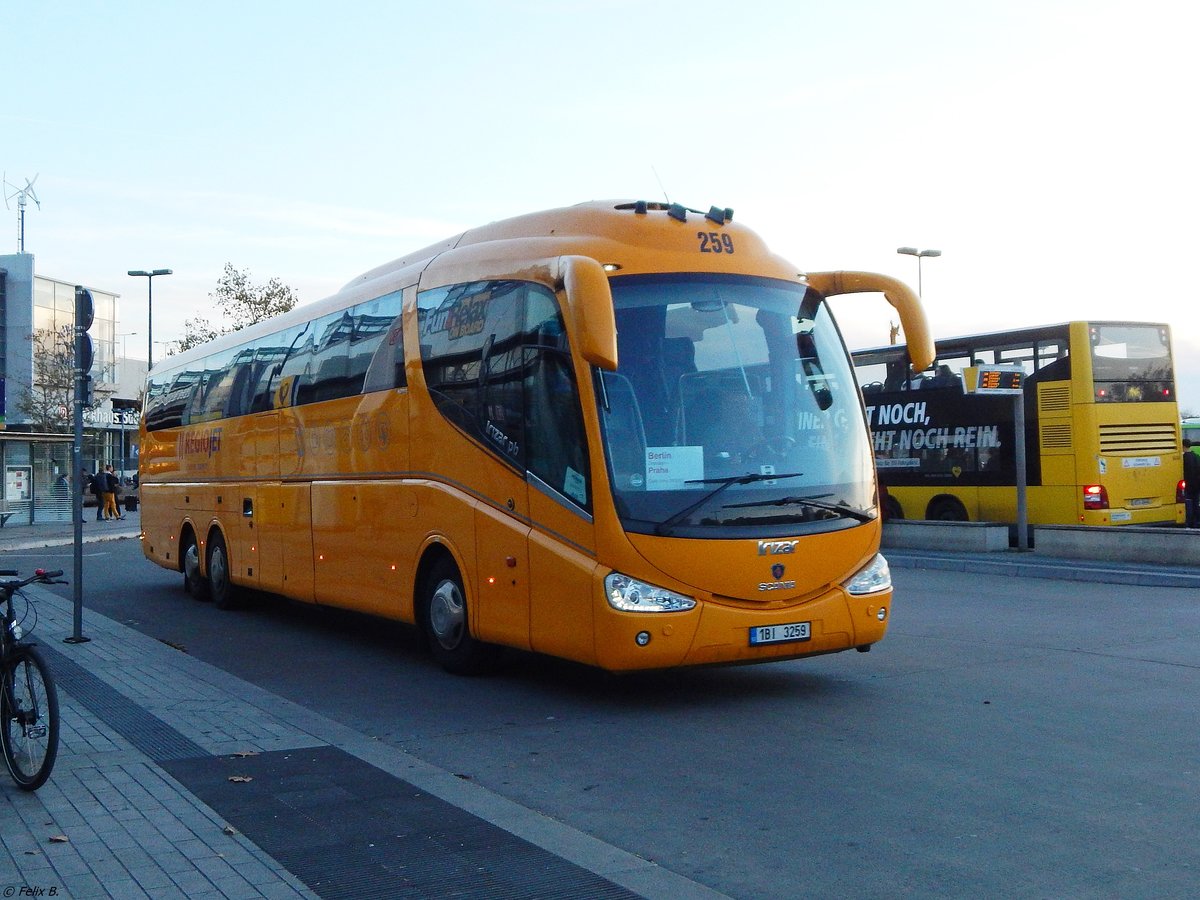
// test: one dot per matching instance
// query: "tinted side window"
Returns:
(378, 347)
(471, 354)
(344, 343)
(327, 370)
(168, 397)
(295, 374)
(556, 445)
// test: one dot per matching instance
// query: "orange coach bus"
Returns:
(620, 433)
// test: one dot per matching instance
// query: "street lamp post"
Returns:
(124, 347)
(919, 254)
(124, 355)
(149, 276)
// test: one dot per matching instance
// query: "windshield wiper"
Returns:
(842, 508)
(664, 528)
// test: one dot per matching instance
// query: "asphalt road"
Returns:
(1010, 737)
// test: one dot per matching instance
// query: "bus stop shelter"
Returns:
(37, 478)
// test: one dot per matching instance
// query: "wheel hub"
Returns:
(447, 615)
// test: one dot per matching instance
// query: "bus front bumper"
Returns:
(715, 633)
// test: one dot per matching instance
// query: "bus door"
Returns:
(558, 467)
(502, 571)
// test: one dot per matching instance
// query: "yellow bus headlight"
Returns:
(872, 578)
(630, 595)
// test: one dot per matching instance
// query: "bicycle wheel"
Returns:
(28, 718)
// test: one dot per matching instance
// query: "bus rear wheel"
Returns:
(224, 594)
(947, 509)
(193, 582)
(445, 621)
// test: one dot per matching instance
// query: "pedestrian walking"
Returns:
(1191, 489)
(95, 486)
(111, 486)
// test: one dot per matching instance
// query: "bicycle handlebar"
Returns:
(40, 575)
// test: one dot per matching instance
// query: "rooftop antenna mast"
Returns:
(23, 195)
(656, 178)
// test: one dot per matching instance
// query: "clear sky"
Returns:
(1048, 148)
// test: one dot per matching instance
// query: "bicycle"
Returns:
(28, 698)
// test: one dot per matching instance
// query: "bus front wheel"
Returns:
(445, 622)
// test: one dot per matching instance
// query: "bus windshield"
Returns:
(734, 410)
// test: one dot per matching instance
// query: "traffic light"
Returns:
(85, 313)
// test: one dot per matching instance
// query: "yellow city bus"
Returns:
(1102, 435)
(620, 433)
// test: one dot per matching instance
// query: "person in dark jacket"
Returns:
(110, 488)
(1191, 490)
(95, 486)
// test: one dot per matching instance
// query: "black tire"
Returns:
(28, 719)
(892, 510)
(947, 510)
(220, 587)
(444, 619)
(193, 582)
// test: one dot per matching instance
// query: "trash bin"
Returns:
(131, 503)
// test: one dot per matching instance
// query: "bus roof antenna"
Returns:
(660, 184)
(23, 195)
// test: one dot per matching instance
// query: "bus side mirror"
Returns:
(590, 301)
(912, 315)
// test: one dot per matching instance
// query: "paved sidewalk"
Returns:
(25, 537)
(176, 779)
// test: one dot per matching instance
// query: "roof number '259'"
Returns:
(714, 242)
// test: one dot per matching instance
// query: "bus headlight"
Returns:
(630, 595)
(875, 576)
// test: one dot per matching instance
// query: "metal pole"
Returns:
(77, 496)
(1022, 509)
(149, 322)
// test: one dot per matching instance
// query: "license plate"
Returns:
(1142, 501)
(780, 634)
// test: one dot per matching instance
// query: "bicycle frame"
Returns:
(29, 712)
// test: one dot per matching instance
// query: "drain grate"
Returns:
(145, 731)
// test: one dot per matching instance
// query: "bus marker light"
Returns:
(491, 579)
(643, 638)
(882, 614)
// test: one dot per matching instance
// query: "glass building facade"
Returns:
(36, 466)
